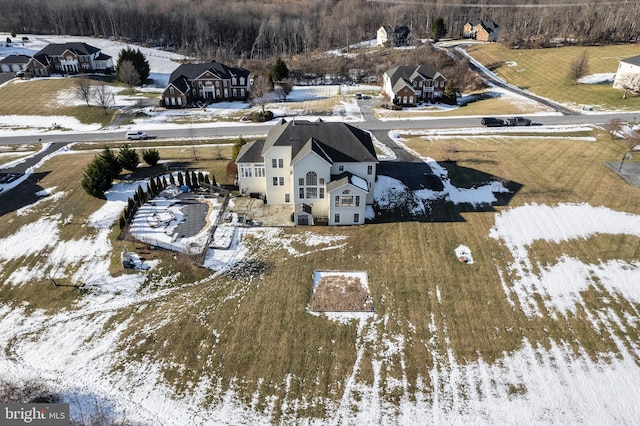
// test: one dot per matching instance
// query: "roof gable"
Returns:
(57, 49)
(340, 142)
(251, 152)
(634, 60)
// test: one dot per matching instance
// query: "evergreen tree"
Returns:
(201, 177)
(279, 71)
(206, 179)
(151, 156)
(112, 160)
(438, 29)
(180, 179)
(213, 180)
(97, 178)
(139, 61)
(194, 178)
(451, 92)
(129, 158)
(164, 182)
(172, 180)
(187, 178)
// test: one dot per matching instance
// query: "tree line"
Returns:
(252, 29)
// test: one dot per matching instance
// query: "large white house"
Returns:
(324, 171)
(628, 74)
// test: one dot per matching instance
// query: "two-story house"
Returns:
(628, 74)
(69, 58)
(481, 30)
(393, 36)
(325, 171)
(207, 82)
(407, 85)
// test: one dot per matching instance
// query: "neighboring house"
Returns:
(69, 58)
(481, 30)
(393, 36)
(324, 171)
(207, 82)
(407, 85)
(14, 63)
(628, 74)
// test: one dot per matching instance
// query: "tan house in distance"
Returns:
(481, 30)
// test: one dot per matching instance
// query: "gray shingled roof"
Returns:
(56, 49)
(251, 152)
(634, 60)
(340, 142)
(409, 72)
(192, 71)
(342, 179)
(16, 59)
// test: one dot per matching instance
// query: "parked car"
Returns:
(358, 95)
(136, 135)
(492, 122)
(518, 121)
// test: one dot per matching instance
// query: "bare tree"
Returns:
(579, 67)
(104, 97)
(283, 89)
(630, 83)
(631, 143)
(615, 128)
(260, 88)
(84, 89)
(128, 74)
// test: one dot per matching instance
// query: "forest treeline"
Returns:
(258, 29)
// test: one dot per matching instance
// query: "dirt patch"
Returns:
(341, 293)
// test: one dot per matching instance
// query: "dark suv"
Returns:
(492, 122)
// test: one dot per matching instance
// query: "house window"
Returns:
(287, 198)
(171, 90)
(217, 83)
(259, 171)
(233, 81)
(321, 181)
(300, 192)
(280, 163)
(312, 192)
(357, 201)
(369, 169)
(242, 92)
(356, 217)
(301, 181)
(312, 178)
(347, 201)
(235, 93)
(336, 218)
(281, 180)
(321, 192)
(336, 201)
(208, 84)
(274, 163)
(241, 80)
(245, 172)
(341, 168)
(410, 99)
(275, 181)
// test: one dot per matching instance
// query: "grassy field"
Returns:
(544, 72)
(47, 97)
(249, 329)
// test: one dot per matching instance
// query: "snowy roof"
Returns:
(347, 178)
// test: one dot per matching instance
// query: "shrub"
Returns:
(129, 158)
(97, 178)
(151, 156)
(259, 116)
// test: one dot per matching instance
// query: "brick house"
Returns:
(69, 58)
(481, 30)
(407, 85)
(207, 82)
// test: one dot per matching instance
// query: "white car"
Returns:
(136, 135)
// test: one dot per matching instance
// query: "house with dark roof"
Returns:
(393, 36)
(628, 74)
(481, 30)
(206, 82)
(407, 85)
(14, 63)
(69, 58)
(324, 171)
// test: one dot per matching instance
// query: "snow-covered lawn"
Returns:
(73, 351)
